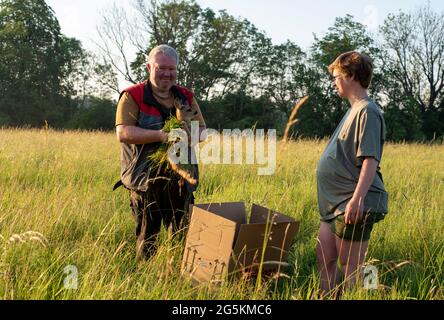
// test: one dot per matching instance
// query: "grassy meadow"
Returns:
(59, 216)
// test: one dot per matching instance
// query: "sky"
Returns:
(280, 19)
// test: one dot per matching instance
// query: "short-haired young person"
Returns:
(351, 192)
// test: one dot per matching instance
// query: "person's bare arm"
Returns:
(355, 207)
(136, 135)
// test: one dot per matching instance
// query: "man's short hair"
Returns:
(164, 49)
(356, 65)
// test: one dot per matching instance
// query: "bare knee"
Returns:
(326, 258)
(351, 255)
(326, 247)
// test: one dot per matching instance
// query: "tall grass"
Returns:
(58, 185)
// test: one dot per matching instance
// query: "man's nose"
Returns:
(166, 73)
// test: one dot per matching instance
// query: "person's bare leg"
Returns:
(351, 257)
(327, 256)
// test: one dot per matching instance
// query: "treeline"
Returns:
(240, 77)
(46, 76)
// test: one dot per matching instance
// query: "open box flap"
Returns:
(260, 214)
(234, 211)
(208, 246)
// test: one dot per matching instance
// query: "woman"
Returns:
(351, 193)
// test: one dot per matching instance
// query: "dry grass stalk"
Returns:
(29, 236)
(293, 120)
(183, 172)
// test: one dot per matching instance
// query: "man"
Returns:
(351, 193)
(156, 196)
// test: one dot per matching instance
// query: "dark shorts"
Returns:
(355, 232)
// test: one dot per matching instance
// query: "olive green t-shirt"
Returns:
(360, 134)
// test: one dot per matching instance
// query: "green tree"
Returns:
(240, 110)
(35, 58)
(219, 54)
(283, 76)
(414, 72)
(94, 114)
(322, 113)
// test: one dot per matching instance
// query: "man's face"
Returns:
(163, 72)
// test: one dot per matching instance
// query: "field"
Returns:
(59, 186)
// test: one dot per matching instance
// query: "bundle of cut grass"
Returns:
(161, 160)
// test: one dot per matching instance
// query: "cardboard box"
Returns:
(220, 242)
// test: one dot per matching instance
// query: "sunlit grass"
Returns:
(59, 184)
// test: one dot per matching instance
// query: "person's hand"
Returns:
(176, 135)
(163, 136)
(354, 211)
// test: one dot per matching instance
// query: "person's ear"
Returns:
(148, 67)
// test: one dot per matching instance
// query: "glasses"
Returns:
(339, 76)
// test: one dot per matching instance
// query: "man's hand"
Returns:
(354, 211)
(164, 137)
(176, 135)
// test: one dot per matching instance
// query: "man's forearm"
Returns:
(136, 135)
(366, 178)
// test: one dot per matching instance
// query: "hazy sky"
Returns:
(280, 19)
